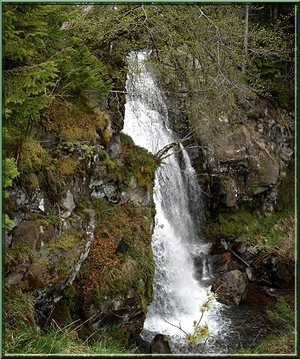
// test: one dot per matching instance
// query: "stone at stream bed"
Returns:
(161, 344)
(231, 287)
(251, 274)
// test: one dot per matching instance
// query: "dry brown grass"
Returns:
(287, 242)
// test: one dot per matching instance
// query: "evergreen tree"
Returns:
(29, 75)
(43, 60)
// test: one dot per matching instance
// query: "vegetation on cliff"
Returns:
(57, 134)
(62, 65)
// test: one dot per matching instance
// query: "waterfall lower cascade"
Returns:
(177, 295)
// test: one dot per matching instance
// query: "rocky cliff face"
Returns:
(242, 158)
(83, 223)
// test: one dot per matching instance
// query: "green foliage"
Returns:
(24, 31)
(17, 255)
(110, 347)
(283, 317)
(283, 339)
(8, 223)
(26, 95)
(29, 75)
(82, 150)
(17, 309)
(271, 52)
(10, 172)
(201, 331)
(81, 74)
(199, 49)
(44, 62)
(138, 162)
(268, 229)
(286, 189)
(57, 340)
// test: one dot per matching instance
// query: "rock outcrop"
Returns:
(84, 229)
(241, 158)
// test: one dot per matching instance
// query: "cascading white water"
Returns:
(176, 294)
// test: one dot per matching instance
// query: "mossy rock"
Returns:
(77, 121)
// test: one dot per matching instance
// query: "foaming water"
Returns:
(177, 295)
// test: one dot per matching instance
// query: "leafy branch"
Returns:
(200, 331)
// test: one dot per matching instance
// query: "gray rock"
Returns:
(68, 205)
(231, 287)
(251, 274)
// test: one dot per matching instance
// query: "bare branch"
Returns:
(176, 326)
(162, 154)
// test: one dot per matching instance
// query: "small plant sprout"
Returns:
(200, 331)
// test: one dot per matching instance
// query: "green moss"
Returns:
(32, 183)
(67, 166)
(138, 162)
(18, 254)
(66, 241)
(118, 334)
(42, 262)
(77, 121)
(18, 308)
(32, 157)
(84, 203)
(286, 189)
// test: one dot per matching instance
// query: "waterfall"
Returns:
(177, 295)
(179, 289)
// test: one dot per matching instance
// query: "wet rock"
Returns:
(122, 247)
(161, 344)
(239, 248)
(143, 347)
(251, 274)
(114, 146)
(217, 248)
(220, 263)
(118, 310)
(137, 194)
(231, 287)
(27, 233)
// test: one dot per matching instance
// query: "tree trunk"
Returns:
(246, 37)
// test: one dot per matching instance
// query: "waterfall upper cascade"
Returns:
(177, 295)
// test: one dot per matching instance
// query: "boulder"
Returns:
(231, 287)
(161, 344)
(142, 346)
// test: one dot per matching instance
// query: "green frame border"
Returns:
(297, 143)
